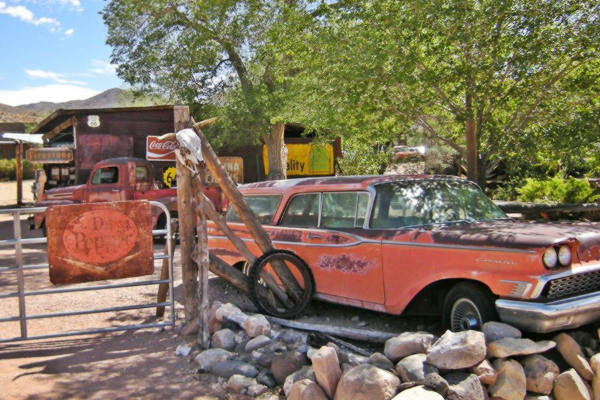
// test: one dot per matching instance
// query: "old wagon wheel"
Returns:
(269, 293)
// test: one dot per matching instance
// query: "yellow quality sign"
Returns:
(306, 159)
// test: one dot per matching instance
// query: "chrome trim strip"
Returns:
(458, 247)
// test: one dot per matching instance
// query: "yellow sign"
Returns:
(306, 159)
(233, 165)
(169, 176)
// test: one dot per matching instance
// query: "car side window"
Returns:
(344, 209)
(302, 211)
(106, 175)
(264, 208)
(141, 174)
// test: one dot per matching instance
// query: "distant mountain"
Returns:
(35, 112)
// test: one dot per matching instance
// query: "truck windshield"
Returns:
(263, 206)
(425, 202)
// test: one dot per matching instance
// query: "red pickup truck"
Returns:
(119, 179)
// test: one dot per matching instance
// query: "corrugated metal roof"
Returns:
(22, 137)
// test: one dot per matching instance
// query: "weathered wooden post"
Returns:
(185, 216)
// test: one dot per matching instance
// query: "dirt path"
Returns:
(8, 192)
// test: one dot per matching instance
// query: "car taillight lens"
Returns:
(564, 255)
(550, 258)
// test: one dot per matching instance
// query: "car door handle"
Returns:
(314, 236)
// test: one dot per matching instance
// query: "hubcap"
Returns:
(464, 316)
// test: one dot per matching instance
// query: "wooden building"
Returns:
(92, 135)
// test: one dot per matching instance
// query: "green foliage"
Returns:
(8, 168)
(557, 190)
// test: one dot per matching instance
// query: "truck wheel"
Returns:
(267, 290)
(467, 306)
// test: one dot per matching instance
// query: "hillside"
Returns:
(35, 112)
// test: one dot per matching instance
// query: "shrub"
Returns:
(8, 169)
(557, 190)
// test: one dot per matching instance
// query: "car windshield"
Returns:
(426, 202)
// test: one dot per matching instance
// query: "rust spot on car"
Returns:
(345, 264)
(286, 236)
(336, 239)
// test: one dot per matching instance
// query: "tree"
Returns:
(205, 51)
(473, 74)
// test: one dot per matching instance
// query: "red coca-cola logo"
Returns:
(100, 237)
(158, 145)
(163, 150)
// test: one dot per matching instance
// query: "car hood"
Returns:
(62, 192)
(517, 234)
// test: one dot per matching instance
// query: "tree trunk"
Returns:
(277, 153)
(471, 141)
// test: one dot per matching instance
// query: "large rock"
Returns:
(326, 366)
(256, 325)
(367, 382)
(457, 350)
(511, 382)
(306, 389)
(305, 372)
(223, 339)
(285, 363)
(540, 373)
(238, 383)
(570, 386)
(494, 330)
(414, 368)
(233, 367)
(437, 383)
(230, 312)
(463, 386)
(485, 372)
(381, 361)
(210, 357)
(595, 364)
(257, 343)
(408, 343)
(508, 347)
(418, 393)
(573, 355)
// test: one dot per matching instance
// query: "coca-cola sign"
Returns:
(160, 150)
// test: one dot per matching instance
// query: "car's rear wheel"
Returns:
(267, 288)
(467, 306)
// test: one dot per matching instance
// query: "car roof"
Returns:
(342, 183)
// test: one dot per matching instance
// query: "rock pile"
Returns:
(252, 358)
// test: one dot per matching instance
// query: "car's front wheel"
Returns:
(467, 306)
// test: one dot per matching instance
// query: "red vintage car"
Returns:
(426, 244)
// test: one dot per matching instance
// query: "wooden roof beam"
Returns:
(59, 128)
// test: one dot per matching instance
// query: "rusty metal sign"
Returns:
(90, 242)
(50, 155)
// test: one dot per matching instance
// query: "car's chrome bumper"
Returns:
(566, 313)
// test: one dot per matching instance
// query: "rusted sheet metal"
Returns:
(90, 242)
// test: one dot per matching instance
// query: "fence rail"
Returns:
(19, 242)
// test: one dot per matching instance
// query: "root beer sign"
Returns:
(89, 242)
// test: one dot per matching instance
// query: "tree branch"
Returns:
(432, 132)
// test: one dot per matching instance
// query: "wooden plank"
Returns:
(245, 213)
(60, 127)
(364, 335)
(219, 220)
(189, 270)
(232, 275)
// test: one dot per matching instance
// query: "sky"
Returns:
(53, 50)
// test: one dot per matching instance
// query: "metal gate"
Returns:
(19, 268)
